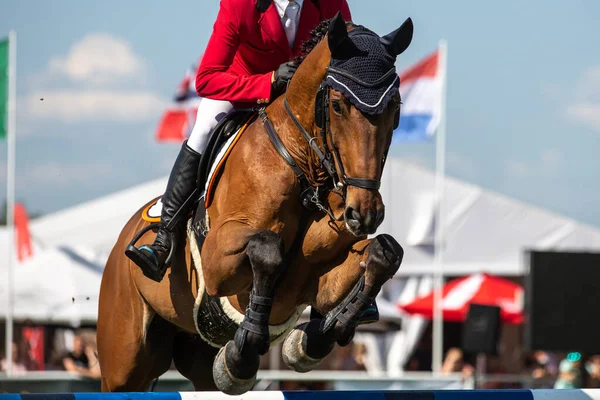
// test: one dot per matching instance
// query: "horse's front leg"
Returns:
(236, 364)
(344, 293)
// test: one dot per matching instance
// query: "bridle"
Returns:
(328, 157)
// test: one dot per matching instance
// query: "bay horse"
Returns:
(287, 228)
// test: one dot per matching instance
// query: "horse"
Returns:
(287, 228)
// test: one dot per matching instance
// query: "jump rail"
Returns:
(542, 394)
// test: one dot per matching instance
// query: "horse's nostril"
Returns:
(352, 214)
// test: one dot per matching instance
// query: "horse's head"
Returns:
(357, 109)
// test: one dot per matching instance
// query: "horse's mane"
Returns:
(315, 36)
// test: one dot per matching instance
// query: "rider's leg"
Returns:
(210, 113)
(182, 182)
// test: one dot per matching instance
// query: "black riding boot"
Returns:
(182, 182)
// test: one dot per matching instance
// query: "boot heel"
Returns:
(148, 267)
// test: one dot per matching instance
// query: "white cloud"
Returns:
(98, 58)
(99, 70)
(548, 162)
(72, 106)
(585, 108)
(585, 112)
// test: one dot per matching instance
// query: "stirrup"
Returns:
(151, 270)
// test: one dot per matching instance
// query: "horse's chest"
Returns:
(325, 239)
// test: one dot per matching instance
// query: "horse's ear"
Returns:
(399, 40)
(340, 45)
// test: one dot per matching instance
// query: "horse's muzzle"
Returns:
(363, 224)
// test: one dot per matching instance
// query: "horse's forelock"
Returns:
(316, 35)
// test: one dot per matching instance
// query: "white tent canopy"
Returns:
(95, 224)
(57, 285)
(485, 231)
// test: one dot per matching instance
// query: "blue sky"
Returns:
(523, 93)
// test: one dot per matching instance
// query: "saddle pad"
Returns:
(153, 211)
(219, 162)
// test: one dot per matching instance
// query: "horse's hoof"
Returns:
(224, 379)
(294, 351)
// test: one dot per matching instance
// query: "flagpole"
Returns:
(440, 174)
(10, 189)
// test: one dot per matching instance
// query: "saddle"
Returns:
(228, 126)
(211, 164)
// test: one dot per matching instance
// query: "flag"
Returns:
(3, 87)
(23, 238)
(421, 92)
(178, 119)
(34, 335)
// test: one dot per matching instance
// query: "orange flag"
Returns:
(23, 238)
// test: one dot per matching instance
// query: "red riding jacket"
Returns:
(246, 46)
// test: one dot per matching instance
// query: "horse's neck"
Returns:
(301, 95)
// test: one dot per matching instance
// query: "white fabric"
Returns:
(55, 285)
(210, 112)
(289, 13)
(404, 342)
(484, 231)
(458, 297)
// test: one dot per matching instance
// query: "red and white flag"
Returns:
(178, 119)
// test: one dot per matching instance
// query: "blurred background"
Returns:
(104, 97)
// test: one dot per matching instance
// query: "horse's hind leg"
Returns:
(136, 360)
(133, 341)
(343, 294)
(194, 358)
(236, 364)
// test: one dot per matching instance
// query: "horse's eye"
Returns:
(337, 107)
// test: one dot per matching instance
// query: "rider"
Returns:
(246, 62)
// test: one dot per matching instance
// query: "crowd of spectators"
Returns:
(74, 352)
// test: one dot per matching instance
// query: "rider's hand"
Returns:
(281, 76)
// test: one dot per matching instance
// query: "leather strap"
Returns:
(364, 183)
(310, 139)
(280, 147)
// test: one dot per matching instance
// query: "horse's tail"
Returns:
(154, 383)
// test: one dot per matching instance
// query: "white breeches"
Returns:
(210, 112)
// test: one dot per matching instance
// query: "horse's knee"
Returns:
(384, 259)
